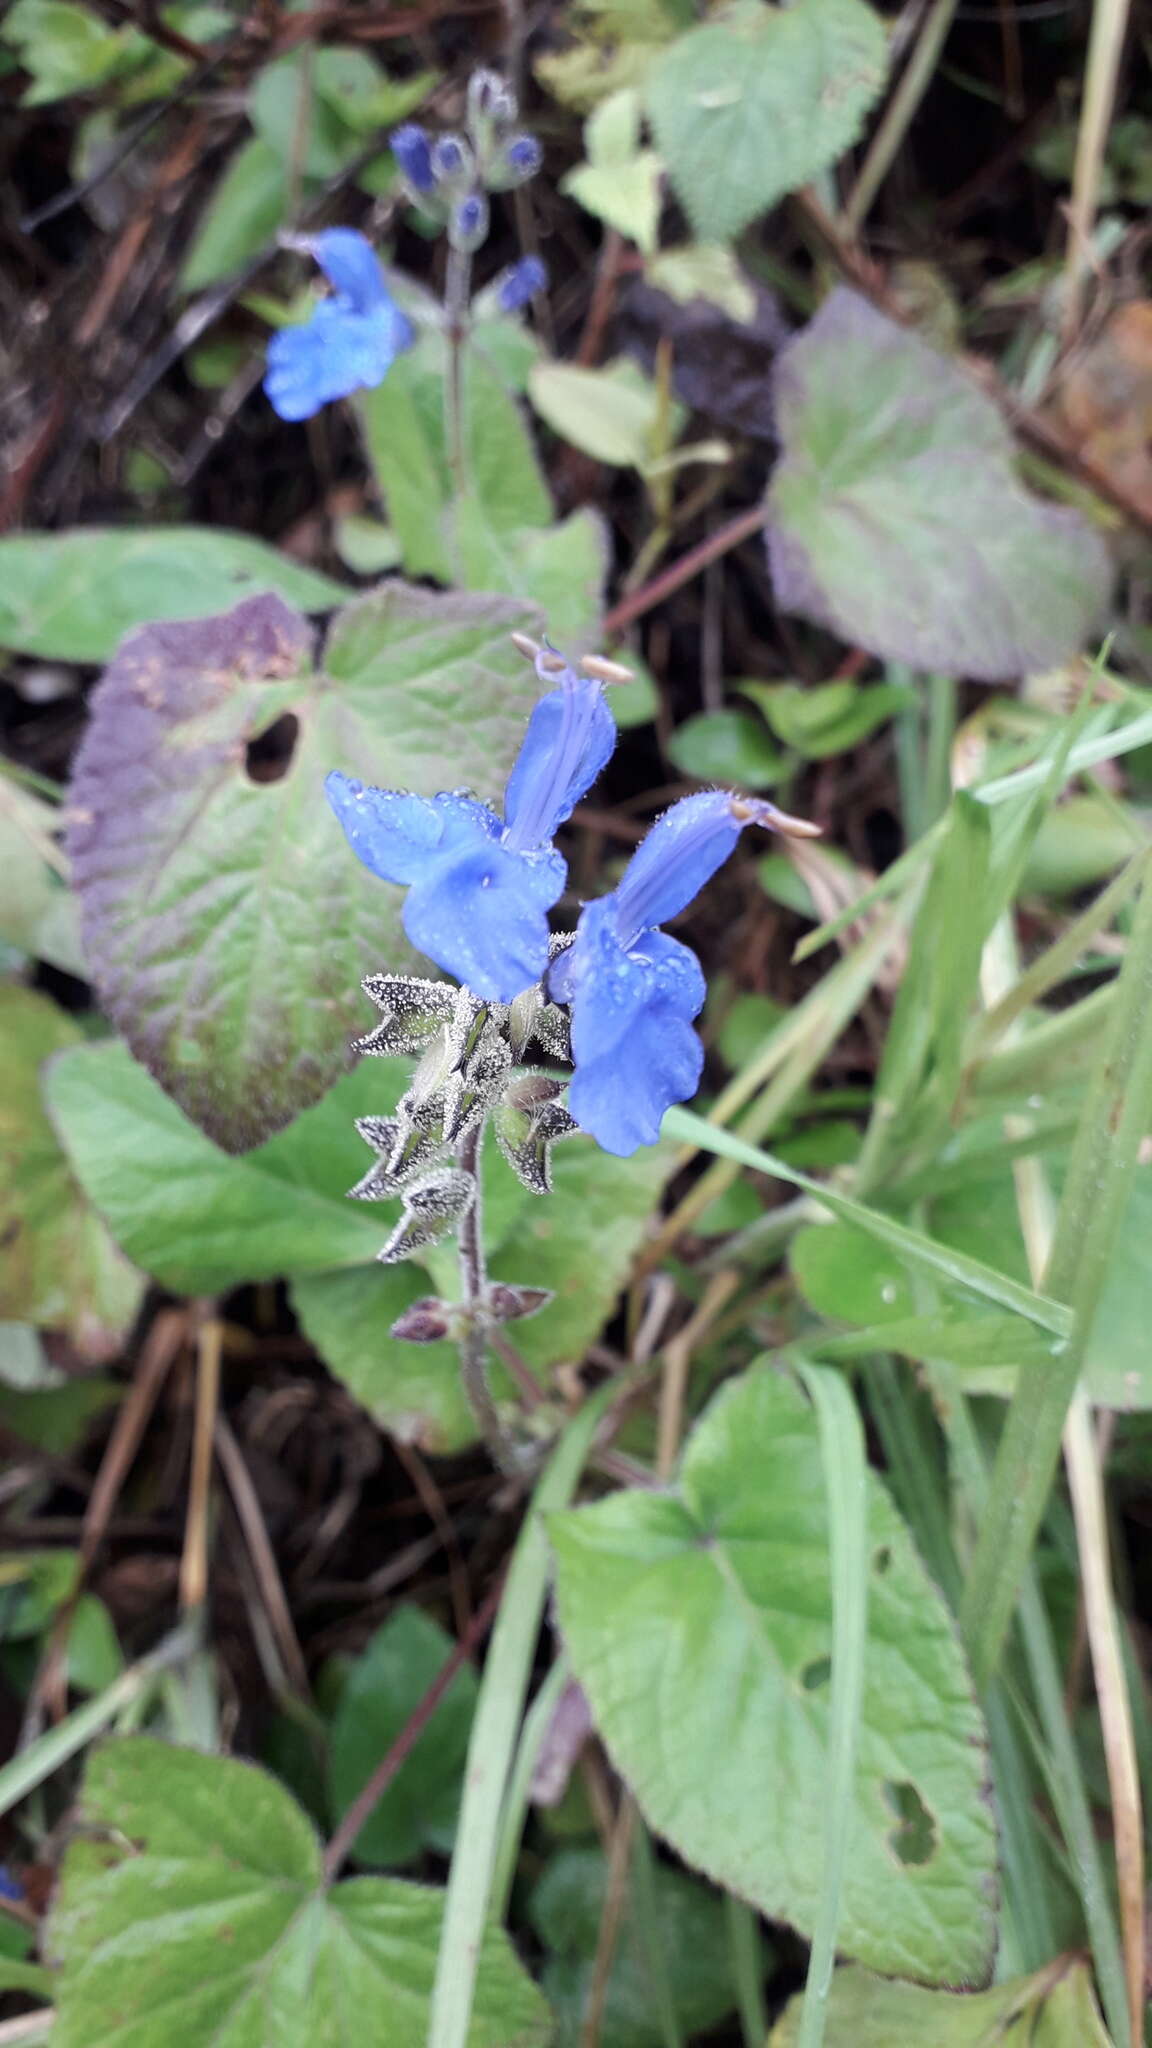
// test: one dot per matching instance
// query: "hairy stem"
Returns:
(474, 1286)
(457, 289)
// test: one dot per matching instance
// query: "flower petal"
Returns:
(401, 836)
(481, 914)
(570, 737)
(681, 852)
(334, 353)
(352, 268)
(611, 989)
(620, 1099)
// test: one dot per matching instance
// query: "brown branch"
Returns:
(366, 1801)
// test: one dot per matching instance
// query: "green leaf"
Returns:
(620, 183)
(66, 49)
(699, 1624)
(828, 718)
(704, 270)
(407, 445)
(192, 1907)
(56, 1419)
(895, 516)
(1081, 841)
(981, 1218)
(249, 204)
(38, 913)
(60, 1269)
(1054, 2009)
(383, 1687)
(199, 1219)
(73, 596)
(727, 746)
(227, 923)
(296, 113)
(688, 1926)
(759, 101)
(560, 568)
(610, 414)
(414, 1391)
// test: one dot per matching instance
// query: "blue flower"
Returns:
(633, 992)
(352, 339)
(479, 886)
(520, 283)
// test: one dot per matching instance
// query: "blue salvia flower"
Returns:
(633, 992)
(480, 886)
(352, 339)
(413, 152)
(520, 283)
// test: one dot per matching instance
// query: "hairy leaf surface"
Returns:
(699, 1624)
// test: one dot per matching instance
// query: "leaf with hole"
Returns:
(73, 596)
(227, 924)
(61, 1269)
(895, 516)
(191, 1906)
(383, 1687)
(699, 1623)
(759, 100)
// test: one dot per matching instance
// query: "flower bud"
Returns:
(423, 1322)
(514, 163)
(521, 283)
(452, 161)
(490, 99)
(468, 223)
(506, 1304)
(413, 153)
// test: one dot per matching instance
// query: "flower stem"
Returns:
(474, 1285)
(457, 291)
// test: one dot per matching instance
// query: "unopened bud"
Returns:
(514, 164)
(423, 1322)
(490, 99)
(452, 161)
(507, 1304)
(412, 151)
(468, 223)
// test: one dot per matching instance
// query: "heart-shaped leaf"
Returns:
(699, 1623)
(895, 516)
(226, 922)
(760, 100)
(192, 1908)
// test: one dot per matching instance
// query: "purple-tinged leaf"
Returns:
(226, 925)
(895, 515)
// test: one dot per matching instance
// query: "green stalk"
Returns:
(845, 1486)
(747, 1970)
(499, 1711)
(44, 1756)
(1100, 1174)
